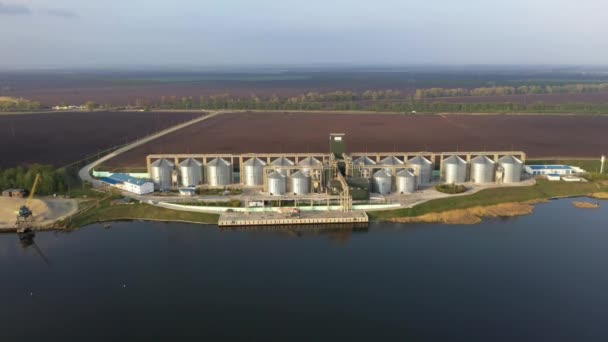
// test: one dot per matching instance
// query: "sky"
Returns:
(102, 33)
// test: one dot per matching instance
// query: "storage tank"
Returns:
(254, 172)
(406, 182)
(219, 172)
(191, 171)
(425, 171)
(276, 184)
(482, 170)
(390, 161)
(511, 169)
(300, 183)
(307, 164)
(162, 173)
(282, 162)
(454, 170)
(363, 161)
(383, 182)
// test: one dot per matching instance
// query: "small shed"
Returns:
(14, 193)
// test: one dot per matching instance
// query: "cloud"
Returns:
(15, 10)
(8, 9)
(60, 13)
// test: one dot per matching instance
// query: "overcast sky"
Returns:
(59, 33)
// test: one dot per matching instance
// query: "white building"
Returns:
(125, 182)
(562, 170)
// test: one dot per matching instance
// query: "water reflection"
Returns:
(338, 233)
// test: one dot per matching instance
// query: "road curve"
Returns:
(85, 172)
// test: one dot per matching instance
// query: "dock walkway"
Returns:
(236, 219)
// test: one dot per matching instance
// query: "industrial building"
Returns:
(131, 184)
(296, 175)
(540, 170)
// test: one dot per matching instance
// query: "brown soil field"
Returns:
(538, 135)
(62, 138)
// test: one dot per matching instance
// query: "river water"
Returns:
(542, 277)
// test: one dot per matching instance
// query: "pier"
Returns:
(293, 217)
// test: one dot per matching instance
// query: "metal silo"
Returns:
(282, 162)
(307, 164)
(219, 172)
(162, 173)
(191, 171)
(363, 161)
(390, 161)
(254, 172)
(454, 170)
(511, 169)
(482, 170)
(276, 184)
(406, 182)
(383, 182)
(300, 183)
(425, 169)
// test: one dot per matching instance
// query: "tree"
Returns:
(90, 105)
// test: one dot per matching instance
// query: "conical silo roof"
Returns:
(309, 161)
(482, 160)
(275, 175)
(282, 162)
(190, 162)
(405, 174)
(382, 174)
(509, 160)
(364, 161)
(391, 161)
(299, 174)
(162, 163)
(454, 160)
(218, 162)
(419, 160)
(255, 162)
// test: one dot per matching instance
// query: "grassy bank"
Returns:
(107, 210)
(489, 197)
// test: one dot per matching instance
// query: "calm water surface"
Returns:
(542, 277)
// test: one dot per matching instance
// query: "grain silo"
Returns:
(425, 169)
(219, 172)
(363, 171)
(307, 164)
(511, 169)
(383, 182)
(282, 161)
(162, 174)
(191, 172)
(454, 170)
(406, 182)
(390, 161)
(300, 183)
(482, 170)
(254, 172)
(276, 184)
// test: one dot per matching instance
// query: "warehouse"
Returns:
(125, 182)
(538, 170)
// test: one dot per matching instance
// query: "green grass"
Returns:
(542, 190)
(106, 211)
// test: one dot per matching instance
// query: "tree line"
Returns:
(9, 104)
(409, 105)
(52, 180)
(507, 90)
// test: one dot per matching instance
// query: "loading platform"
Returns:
(287, 218)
